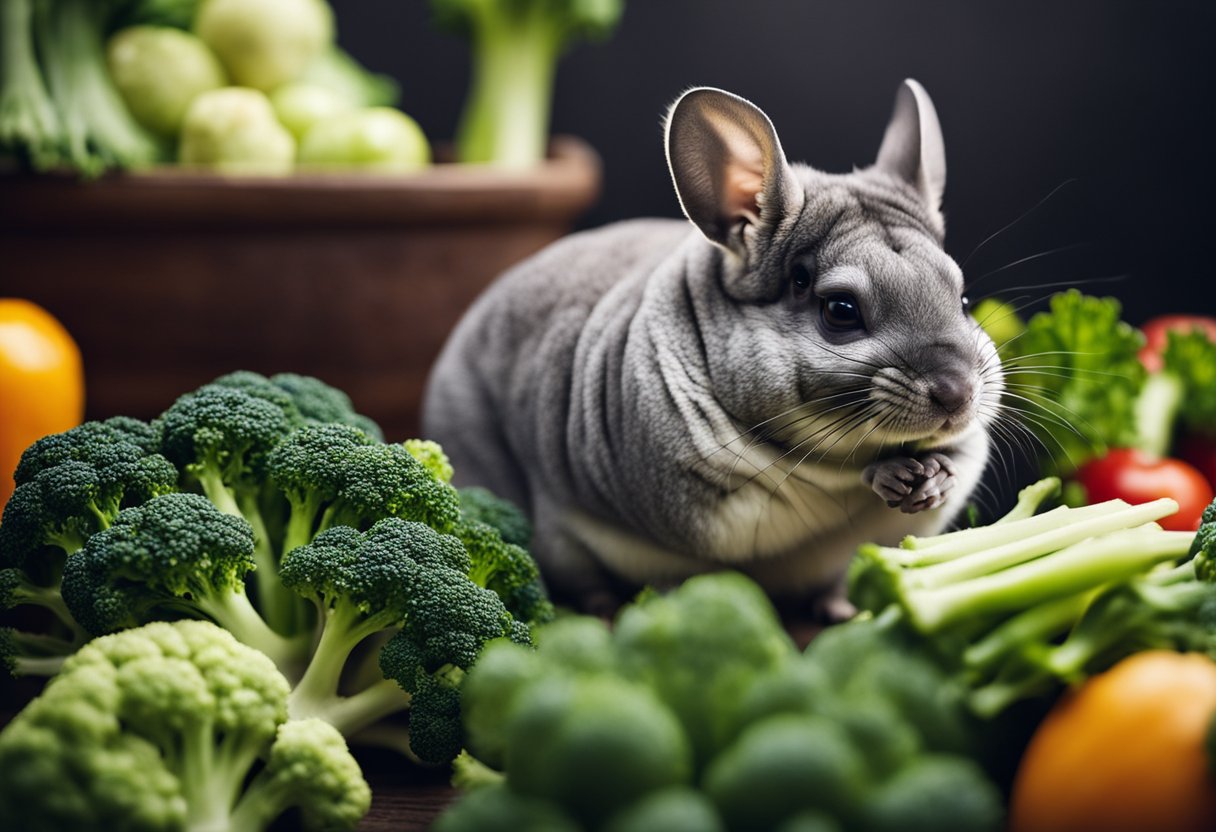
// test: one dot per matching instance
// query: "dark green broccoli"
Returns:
(176, 555)
(935, 793)
(360, 584)
(436, 731)
(336, 475)
(700, 648)
(32, 654)
(676, 809)
(220, 435)
(1203, 548)
(320, 404)
(481, 504)
(785, 765)
(397, 574)
(594, 745)
(497, 565)
(70, 485)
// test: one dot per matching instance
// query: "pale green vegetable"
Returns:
(378, 138)
(234, 130)
(159, 71)
(299, 105)
(265, 43)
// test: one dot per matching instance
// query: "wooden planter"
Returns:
(169, 279)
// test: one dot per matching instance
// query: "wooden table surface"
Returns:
(405, 798)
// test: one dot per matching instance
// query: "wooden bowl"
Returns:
(169, 278)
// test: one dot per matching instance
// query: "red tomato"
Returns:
(1134, 476)
(1200, 451)
(1156, 333)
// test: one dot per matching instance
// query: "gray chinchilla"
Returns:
(794, 374)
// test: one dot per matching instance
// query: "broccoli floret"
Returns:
(432, 457)
(72, 484)
(515, 49)
(594, 745)
(309, 769)
(481, 504)
(1203, 547)
(496, 565)
(935, 793)
(677, 809)
(337, 475)
(700, 647)
(221, 436)
(175, 555)
(260, 387)
(436, 731)
(784, 765)
(1191, 358)
(158, 728)
(360, 583)
(319, 403)
(490, 690)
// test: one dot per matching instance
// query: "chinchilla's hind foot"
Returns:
(912, 484)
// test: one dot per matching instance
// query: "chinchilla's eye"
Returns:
(800, 277)
(966, 304)
(841, 313)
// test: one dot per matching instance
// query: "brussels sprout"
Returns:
(378, 138)
(300, 105)
(159, 71)
(265, 43)
(234, 130)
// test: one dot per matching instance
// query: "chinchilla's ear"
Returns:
(912, 147)
(728, 166)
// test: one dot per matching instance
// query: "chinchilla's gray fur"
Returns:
(667, 399)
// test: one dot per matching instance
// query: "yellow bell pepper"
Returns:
(1125, 751)
(41, 382)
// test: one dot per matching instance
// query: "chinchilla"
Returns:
(793, 374)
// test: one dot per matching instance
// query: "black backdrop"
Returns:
(1111, 100)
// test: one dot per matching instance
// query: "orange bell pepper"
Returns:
(41, 382)
(1125, 751)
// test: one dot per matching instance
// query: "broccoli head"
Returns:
(320, 404)
(483, 505)
(337, 475)
(432, 457)
(175, 555)
(158, 728)
(221, 435)
(700, 647)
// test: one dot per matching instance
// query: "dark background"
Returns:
(1110, 100)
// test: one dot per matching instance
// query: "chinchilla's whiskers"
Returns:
(1045, 413)
(1043, 422)
(1024, 215)
(905, 366)
(849, 425)
(1072, 283)
(822, 432)
(1030, 258)
(788, 418)
(770, 434)
(859, 362)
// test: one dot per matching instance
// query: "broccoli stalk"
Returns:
(1021, 607)
(1021, 569)
(516, 45)
(32, 654)
(98, 129)
(29, 125)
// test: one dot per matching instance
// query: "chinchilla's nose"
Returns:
(950, 391)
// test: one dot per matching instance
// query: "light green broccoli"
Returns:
(159, 728)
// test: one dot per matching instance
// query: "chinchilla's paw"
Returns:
(912, 484)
